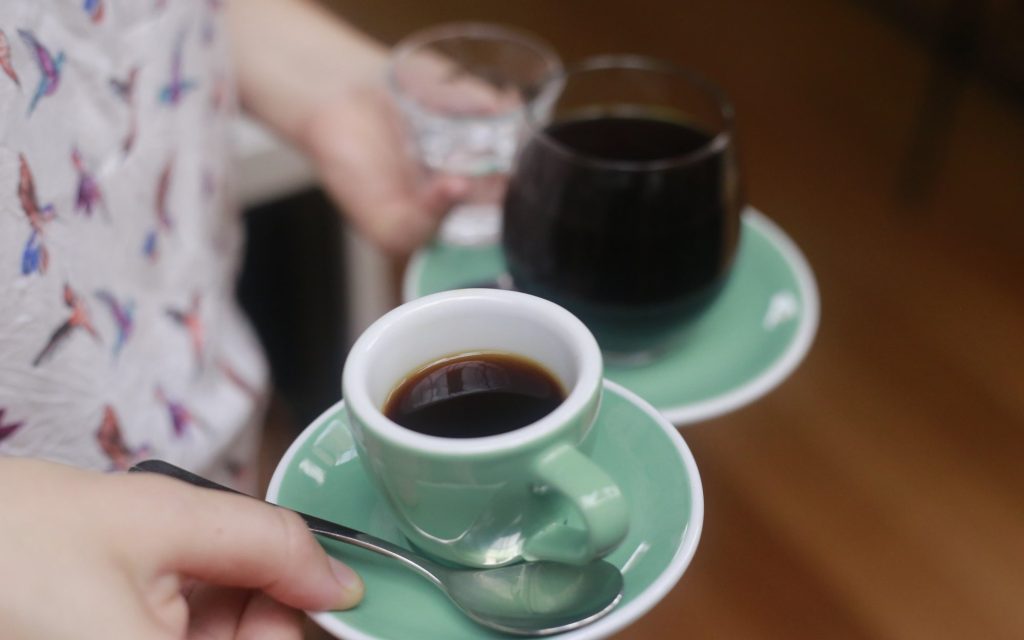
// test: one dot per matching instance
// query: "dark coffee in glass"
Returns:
(624, 206)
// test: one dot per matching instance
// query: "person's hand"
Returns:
(85, 555)
(319, 83)
(362, 155)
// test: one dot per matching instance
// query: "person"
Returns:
(119, 334)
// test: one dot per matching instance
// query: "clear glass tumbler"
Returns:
(625, 200)
(464, 89)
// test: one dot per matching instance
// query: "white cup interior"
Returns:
(431, 336)
(447, 324)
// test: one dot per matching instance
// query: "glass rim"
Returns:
(717, 143)
(470, 30)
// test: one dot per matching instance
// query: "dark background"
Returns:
(293, 289)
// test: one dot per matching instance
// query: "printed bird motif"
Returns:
(191, 321)
(164, 223)
(125, 89)
(182, 419)
(95, 9)
(5, 59)
(209, 29)
(7, 429)
(237, 379)
(49, 68)
(112, 442)
(35, 257)
(163, 188)
(88, 195)
(129, 136)
(149, 245)
(123, 315)
(79, 319)
(176, 89)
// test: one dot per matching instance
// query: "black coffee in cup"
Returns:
(474, 395)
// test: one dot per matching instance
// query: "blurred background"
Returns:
(878, 492)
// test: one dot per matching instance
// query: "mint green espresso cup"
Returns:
(531, 493)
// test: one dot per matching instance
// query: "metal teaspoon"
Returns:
(526, 599)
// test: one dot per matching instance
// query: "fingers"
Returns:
(236, 541)
(267, 619)
(219, 613)
(399, 222)
(215, 612)
(360, 150)
(438, 83)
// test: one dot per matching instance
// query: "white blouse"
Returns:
(120, 337)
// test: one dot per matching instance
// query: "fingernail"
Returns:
(350, 582)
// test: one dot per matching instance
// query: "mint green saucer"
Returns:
(321, 475)
(751, 338)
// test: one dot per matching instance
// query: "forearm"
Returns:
(292, 57)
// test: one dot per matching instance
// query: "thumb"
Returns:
(236, 541)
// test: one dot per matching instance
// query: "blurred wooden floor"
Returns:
(879, 493)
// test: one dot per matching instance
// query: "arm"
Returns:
(292, 58)
(320, 84)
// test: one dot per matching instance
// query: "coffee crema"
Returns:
(473, 395)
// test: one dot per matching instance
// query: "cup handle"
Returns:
(593, 494)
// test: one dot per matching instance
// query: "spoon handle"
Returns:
(319, 526)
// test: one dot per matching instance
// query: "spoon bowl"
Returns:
(535, 598)
(524, 599)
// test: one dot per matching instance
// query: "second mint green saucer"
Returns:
(751, 338)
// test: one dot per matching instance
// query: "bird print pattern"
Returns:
(5, 59)
(89, 195)
(125, 91)
(105, 344)
(177, 87)
(49, 68)
(34, 257)
(192, 322)
(95, 9)
(111, 440)
(78, 318)
(163, 223)
(122, 314)
(7, 429)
